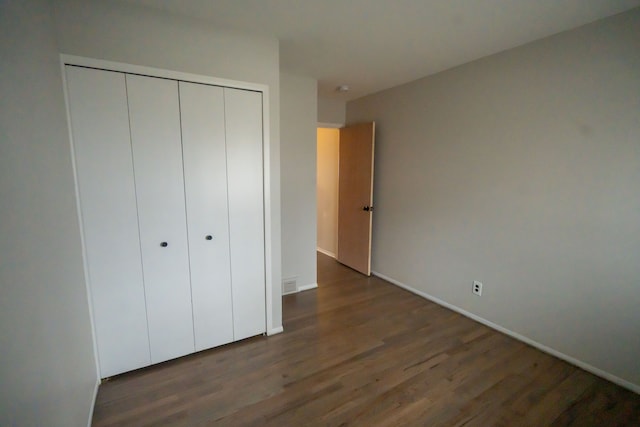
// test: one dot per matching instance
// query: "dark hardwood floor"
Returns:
(360, 351)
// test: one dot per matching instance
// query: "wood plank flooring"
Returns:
(360, 351)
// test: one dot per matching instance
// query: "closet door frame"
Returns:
(270, 256)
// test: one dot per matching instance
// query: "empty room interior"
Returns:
(183, 244)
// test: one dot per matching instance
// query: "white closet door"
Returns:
(243, 110)
(157, 158)
(205, 175)
(102, 150)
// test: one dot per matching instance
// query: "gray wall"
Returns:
(298, 102)
(47, 365)
(522, 170)
(331, 112)
(123, 32)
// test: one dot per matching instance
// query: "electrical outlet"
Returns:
(477, 288)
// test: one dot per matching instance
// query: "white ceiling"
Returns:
(376, 44)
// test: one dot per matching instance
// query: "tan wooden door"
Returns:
(355, 196)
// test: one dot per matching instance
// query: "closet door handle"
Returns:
(209, 237)
(164, 244)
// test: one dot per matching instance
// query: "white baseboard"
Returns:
(307, 287)
(589, 368)
(327, 253)
(275, 331)
(301, 288)
(93, 402)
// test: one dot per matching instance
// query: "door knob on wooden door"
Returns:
(368, 208)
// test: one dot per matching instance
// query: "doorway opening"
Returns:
(345, 159)
(328, 158)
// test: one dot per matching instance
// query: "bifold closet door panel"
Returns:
(243, 111)
(102, 151)
(154, 114)
(205, 175)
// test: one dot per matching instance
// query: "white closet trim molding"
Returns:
(158, 72)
